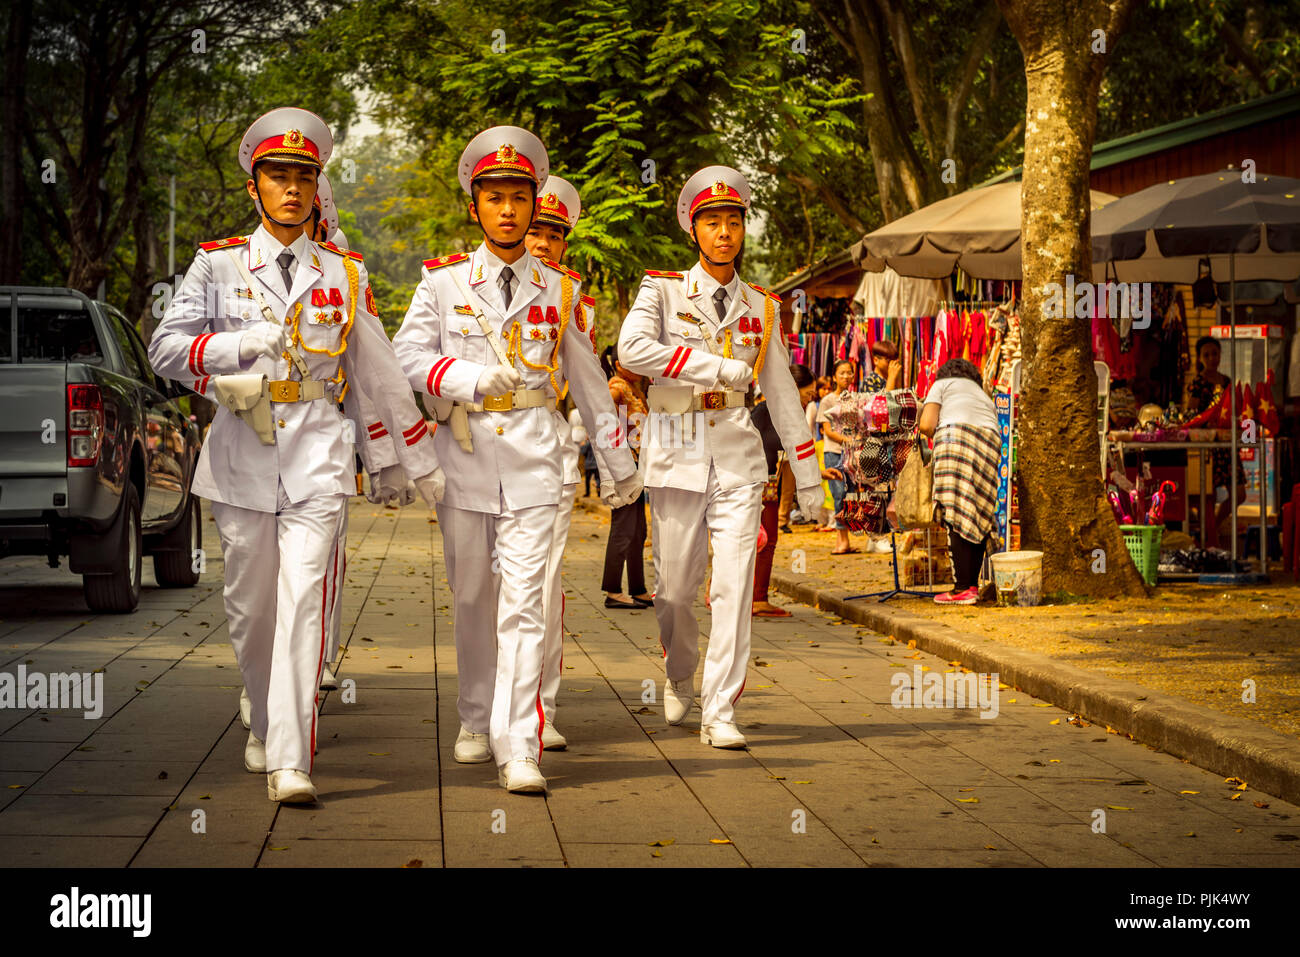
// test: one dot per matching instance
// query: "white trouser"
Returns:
(499, 562)
(336, 590)
(685, 522)
(277, 611)
(553, 604)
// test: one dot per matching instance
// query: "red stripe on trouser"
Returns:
(541, 722)
(320, 662)
(804, 455)
(739, 693)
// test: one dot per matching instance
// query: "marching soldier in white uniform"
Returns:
(703, 336)
(558, 209)
(486, 340)
(277, 327)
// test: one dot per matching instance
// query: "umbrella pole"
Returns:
(1232, 388)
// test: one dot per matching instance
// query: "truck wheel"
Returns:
(176, 569)
(118, 591)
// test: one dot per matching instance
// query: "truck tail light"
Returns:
(85, 424)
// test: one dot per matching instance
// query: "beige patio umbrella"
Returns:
(978, 231)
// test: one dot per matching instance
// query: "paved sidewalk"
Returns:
(836, 776)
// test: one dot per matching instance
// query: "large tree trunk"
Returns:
(18, 35)
(1063, 509)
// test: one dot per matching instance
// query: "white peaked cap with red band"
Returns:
(504, 152)
(558, 203)
(287, 134)
(711, 187)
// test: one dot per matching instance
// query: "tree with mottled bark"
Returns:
(1063, 509)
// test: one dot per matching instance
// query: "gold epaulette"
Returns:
(339, 251)
(663, 274)
(572, 274)
(445, 260)
(223, 243)
(766, 292)
(588, 301)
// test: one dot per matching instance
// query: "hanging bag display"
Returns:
(914, 496)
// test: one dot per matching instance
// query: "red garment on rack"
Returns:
(977, 337)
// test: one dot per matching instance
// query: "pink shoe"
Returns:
(968, 597)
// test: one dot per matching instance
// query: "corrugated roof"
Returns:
(1180, 132)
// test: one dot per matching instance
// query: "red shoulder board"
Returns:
(445, 260)
(338, 251)
(765, 292)
(663, 274)
(564, 269)
(588, 301)
(223, 243)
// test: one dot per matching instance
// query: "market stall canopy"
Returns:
(978, 231)
(1162, 233)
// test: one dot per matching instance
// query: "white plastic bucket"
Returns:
(1018, 577)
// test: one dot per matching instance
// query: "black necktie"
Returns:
(284, 259)
(720, 303)
(507, 277)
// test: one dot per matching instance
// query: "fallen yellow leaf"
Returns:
(1041, 704)
(655, 854)
(1189, 792)
(1055, 721)
(968, 800)
(1117, 807)
(1053, 760)
(719, 840)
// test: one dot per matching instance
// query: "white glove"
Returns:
(264, 339)
(810, 501)
(734, 373)
(497, 380)
(623, 492)
(388, 487)
(432, 486)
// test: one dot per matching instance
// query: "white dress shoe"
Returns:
(329, 681)
(522, 776)
(472, 748)
(723, 735)
(552, 740)
(290, 786)
(255, 754)
(245, 708)
(678, 698)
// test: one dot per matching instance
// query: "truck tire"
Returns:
(119, 590)
(176, 568)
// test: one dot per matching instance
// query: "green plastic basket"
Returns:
(1143, 543)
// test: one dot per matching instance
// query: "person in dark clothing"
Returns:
(627, 525)
(762, 419)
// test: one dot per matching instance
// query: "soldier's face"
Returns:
(287, 190)
(504, 209)
(719, 233)
(546, 242)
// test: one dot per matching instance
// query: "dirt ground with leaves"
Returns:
(1199, 642)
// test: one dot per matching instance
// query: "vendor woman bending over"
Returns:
(959, 415)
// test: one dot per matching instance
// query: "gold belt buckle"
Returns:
(499, 403)
(711, 401)
(284, 390)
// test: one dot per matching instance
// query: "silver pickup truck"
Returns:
(96, 451)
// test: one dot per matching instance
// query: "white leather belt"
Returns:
(701, 402)
(516, 399)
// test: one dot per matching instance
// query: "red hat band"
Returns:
(505, 162)
(291, 146)
(719, 194)
(551, 210)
